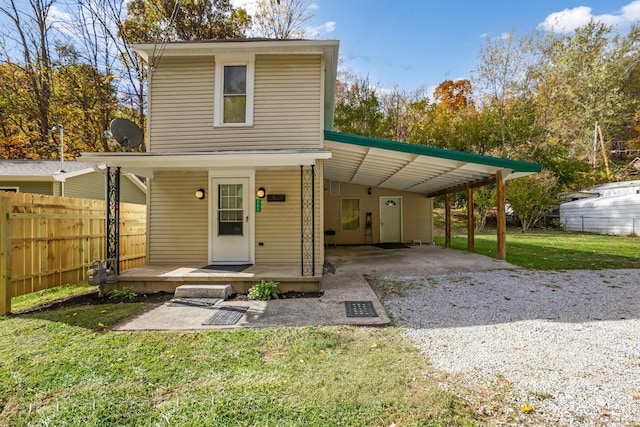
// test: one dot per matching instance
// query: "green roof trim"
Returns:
(423, 150)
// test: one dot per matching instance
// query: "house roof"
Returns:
(411, 167)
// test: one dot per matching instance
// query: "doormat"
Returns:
(193, 302)
(360, 309)
(228, 268)
(392, 245)
(227, 315)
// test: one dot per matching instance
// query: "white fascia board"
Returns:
(184, 161)
(147, 50)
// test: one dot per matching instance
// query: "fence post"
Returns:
(582, 218)
(5, 257)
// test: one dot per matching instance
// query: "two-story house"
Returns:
(244, 168)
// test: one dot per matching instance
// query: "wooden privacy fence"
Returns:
(47, 241)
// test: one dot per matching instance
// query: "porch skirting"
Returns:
(163, 278)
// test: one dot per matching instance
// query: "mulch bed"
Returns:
(286, 295)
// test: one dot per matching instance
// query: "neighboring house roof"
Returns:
(42, 170)
(49, 170)
(412, 167)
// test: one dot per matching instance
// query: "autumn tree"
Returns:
(358, 108)
(580, 80)
(500, 78)
(282, 19)
(532, 197)
(183, 20)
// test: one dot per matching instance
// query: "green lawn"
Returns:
(64, 367)
(557, 250)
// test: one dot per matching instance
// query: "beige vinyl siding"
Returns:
(287, 106)
(178, 222)
(33, 187)
(278, 226)
(417, 214)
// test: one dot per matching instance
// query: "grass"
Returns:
(65, 367)
(24, 302)
(557, 250)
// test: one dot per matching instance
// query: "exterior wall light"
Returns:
(261, 193)
(200, 194)
(369, 191)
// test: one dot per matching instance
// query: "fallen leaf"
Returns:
(507, 298)
(526, 408)
(101, 325)
(322, 353)
(103, 312)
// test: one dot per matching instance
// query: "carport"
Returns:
(424, 170)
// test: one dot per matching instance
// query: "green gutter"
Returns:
(423, 150)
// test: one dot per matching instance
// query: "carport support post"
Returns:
(470, 222)
(501, 218)
(447, 220)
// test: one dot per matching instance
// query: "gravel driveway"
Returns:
(568, 342)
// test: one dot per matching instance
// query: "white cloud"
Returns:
(327, 27)
(568, 20)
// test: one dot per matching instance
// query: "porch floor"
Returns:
(167, 278)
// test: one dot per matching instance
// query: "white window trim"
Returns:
(231, 60)
(10, 189)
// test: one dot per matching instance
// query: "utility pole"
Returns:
(604, 153)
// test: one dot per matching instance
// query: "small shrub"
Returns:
(265, 290)
(122, 294)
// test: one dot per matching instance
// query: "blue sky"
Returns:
(420, 43)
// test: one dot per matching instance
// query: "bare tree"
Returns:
(282, 19)
(29, 36)
(108, 42)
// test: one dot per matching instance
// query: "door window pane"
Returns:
(350, 214)
(230, 209)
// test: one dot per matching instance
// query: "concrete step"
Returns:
(200, 290)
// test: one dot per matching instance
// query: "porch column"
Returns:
(447, 220)
(307, 221)
(112, 251)
(470, 221)
(501, 218)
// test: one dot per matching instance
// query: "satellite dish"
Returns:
(127, 133)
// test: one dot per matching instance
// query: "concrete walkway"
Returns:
(343, 282)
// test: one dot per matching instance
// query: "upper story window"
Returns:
(234, 91)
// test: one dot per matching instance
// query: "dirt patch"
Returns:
(92, 298)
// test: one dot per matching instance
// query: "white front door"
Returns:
(390, 219)
(230, 225)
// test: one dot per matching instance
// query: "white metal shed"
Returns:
(614, 214)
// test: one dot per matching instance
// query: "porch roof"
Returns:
(410, 167)
(146, 163)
